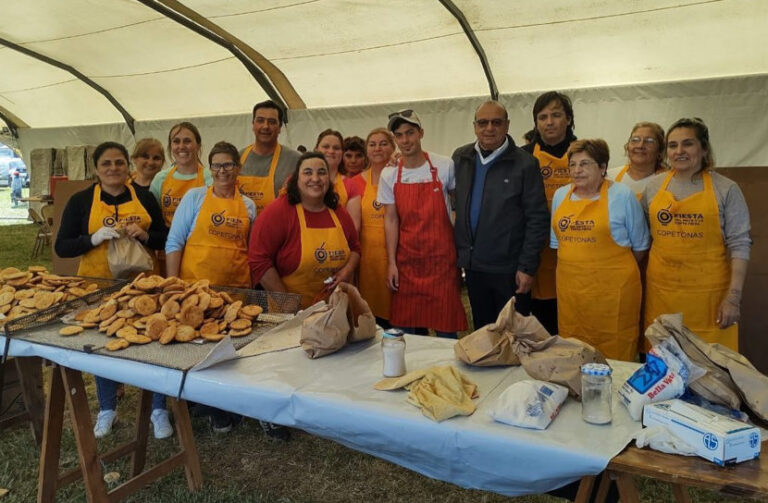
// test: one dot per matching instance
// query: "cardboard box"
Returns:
(715, 437)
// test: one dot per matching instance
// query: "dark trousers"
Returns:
(490, 292)
(546, 312)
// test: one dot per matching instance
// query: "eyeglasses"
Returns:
(483, 123)
(583, 164)
(403, 113)
(636, 140)
(226, 166)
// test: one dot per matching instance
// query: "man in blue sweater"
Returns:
(502, 221)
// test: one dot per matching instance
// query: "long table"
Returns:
(333, 397)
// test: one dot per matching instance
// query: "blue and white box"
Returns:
(715, 437)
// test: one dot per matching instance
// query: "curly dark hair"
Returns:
(331, 199)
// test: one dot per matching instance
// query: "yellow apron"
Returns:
(173, 190)
(556, 174)
(598, 281)
(261, 189)
(620, 176)
(323, 252)
(688, 267)
(373, 252)
(341, 190)
(94, 263)
(217, 249)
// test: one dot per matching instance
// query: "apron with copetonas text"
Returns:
(598, 281)
(323, 253)
(217, 248)
(261, 189)
(173, 190)
(688, 267)
(429, 293)
(373, 252)
(555, 172)
(94, 263)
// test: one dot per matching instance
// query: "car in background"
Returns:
(5, 171)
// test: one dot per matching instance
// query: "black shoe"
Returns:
(221, 423)
(276, 431)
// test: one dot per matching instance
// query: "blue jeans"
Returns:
(106, 390)
(425, 331)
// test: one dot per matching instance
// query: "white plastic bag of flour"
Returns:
(676, 359)
(529, 403)
(653, 382)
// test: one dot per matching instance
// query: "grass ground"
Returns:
(243, 466)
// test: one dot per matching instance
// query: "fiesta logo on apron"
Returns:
(255, 195)
(218, 218)
(664, 216)
(566, 223)
(167, 199)
(563, 223)
(546, 171)
(320, 254)
(109, 221)
(376, 205)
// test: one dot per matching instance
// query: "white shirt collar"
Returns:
(493, 155)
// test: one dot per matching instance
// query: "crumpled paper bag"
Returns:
(556, 359)
(346, 318)
(325, 331)
(730, 377)
(440, 392)
(127, 258)
(492, 344)
(362, 322)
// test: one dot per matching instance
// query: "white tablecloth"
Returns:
(333, 397)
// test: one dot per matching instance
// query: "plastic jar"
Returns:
(596, 393)
(393, 353)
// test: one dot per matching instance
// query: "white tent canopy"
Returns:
(84, 71)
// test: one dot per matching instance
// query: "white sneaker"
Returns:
(161, 424)
(104, 422)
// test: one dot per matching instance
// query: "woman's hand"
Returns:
(393, 277)
(343, 275)
(103, 234)
(137, 232)
(728, 313)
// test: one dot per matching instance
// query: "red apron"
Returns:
(429, 294)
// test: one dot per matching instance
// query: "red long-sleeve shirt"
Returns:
(276, 236)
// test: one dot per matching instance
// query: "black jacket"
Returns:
(514, 220)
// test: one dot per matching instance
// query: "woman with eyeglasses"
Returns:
(645, 152)
(600, 234)
(187, 172)
(209, 235)
(92, 218)
(701, 243)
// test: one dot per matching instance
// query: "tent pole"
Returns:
(459, 15)
(67, 68)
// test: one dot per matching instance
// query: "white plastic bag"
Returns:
(653, 382)
(529, 404)
(676, 359)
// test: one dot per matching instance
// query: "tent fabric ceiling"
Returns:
(357, 52)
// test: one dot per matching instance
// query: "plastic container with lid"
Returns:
(596, 393)
(393, 353)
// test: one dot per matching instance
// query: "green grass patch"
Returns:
(16, 243)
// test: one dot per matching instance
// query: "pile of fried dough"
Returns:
(153, 308)
(25, 292)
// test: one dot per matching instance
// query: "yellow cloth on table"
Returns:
(440, 392)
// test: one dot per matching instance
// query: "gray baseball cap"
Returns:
(407, 115)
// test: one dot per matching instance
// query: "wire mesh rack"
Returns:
(273, 303)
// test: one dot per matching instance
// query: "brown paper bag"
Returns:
(555, 359)
(730, 379)
(492, 344)
(127, 258)
(362, 322)
(325, 331)
(716, 385)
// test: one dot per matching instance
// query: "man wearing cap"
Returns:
(16, 185)
(266, 163)
(421, 256)
(502, 221)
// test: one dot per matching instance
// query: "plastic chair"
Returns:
(44, 232)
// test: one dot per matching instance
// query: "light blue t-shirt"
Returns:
(185, 218)
(629, 227)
